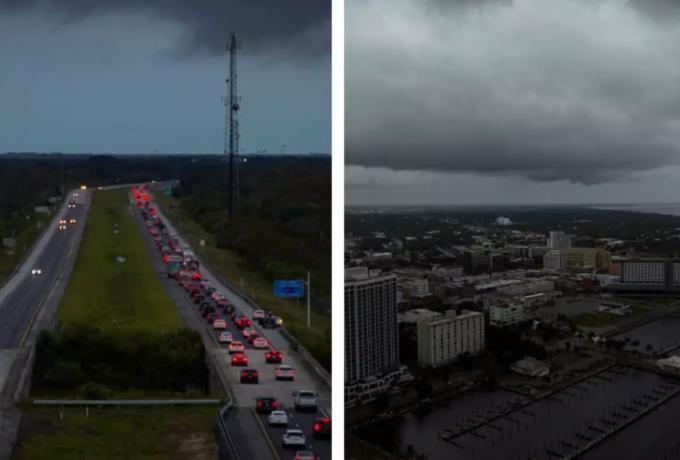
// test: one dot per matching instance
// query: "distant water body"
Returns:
(669, 209)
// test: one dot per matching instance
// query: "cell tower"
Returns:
(231, 123)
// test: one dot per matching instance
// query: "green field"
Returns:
(155, 433)
(597, 319)
(235, 269)
(110, 295)
(24, 241)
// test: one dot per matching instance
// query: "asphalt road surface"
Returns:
(245, 395)
(24, 293)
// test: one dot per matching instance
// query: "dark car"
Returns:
(266, 404)
(274, 357)
(249, 376)
(322, 428)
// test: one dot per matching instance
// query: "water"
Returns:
(662, 334)
(558, 425)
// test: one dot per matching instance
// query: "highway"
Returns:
(28, 302)
(23, 294)
(245, 395)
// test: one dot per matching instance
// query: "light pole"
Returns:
(309, 289)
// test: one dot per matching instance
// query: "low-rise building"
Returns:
(505, 314)
(671, 364)
(531, 367)
(443, 339)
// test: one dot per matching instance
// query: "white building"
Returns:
(417, 314)
(503, 221)
(371, 330)
(417, 287)
(530, 367)
(505, 315)
(442, 340)
(554, 261)
(559, 240)
(672, 364)
(641, 272)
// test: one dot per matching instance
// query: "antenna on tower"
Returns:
(231, 123)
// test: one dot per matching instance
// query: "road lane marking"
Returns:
(266, 434)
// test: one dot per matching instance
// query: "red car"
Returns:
(322, 428)
(243, 321)
(239, 359)
(274, 357)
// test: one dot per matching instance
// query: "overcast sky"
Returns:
(502, 101)
(129, 76)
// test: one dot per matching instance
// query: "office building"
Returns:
(506, 314)
(371, 330)
(559, 240)
(443, 339)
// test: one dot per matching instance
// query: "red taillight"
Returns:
(275, 404)
(317, 427)
(259, 404)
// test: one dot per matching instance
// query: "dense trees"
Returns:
(89, 362)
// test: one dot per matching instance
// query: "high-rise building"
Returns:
(559, 240)
(371, 330)
(443, 339)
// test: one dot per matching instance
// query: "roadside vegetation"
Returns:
(281, 230)
(162, 433)
(26, 232)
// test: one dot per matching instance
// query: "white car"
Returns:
(219, 324)
(236, 346)
(294, 437)
(36, 271)
(258, 314)
(278, 418)
(225, 337)
(305, 400)
(261, 343)
(247, 331)
(284, 372)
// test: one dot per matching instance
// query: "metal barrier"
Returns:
(295, 344)
(226, 447)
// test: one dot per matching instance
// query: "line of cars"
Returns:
(218, 312)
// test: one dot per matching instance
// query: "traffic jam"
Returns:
(235, 332)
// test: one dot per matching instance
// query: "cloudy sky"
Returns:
(130, 76)
(512, 101)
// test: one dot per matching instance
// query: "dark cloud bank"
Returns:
(296, 28)
(582, 90)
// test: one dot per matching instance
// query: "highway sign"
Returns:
(289, 288)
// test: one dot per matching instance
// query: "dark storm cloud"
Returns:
(298, 28)
(582, 90)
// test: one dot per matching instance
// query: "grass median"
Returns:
(113, 285)
(126, 433)
(239, 274)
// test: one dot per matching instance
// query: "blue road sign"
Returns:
(289, 288)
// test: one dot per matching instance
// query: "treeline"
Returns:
(282, 222)
(92, 364)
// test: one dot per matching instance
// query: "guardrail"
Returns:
(227, 448)
(295, 344)
(125, 402)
